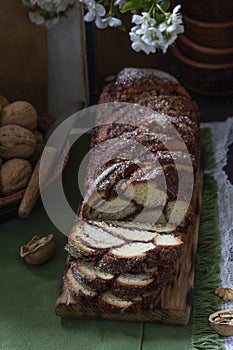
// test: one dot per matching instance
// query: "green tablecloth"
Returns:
(29, 293)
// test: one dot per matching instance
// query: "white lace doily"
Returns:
(222, 134)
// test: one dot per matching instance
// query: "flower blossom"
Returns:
(48, 12)
(144, 34)
(96, 12)
(150, 36)
(102, 23)
(119, 3)
(154, 28)
(171, 29)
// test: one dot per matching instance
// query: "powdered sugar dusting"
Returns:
(129, 76)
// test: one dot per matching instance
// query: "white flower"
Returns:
(48, 12)
(151, 37)
(139, 45)
(114, 22)
(154, 29)
(144, 34)
(94, 10)
(144, 23)
(36, 18)
(45, 5)
(102, 23)
(176, 17)
(144, 20)
(170, 29)
(119, 3)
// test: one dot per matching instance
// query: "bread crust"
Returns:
(117, 265)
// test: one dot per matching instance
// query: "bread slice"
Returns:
(135, 148)
(109, 175)
(109, 302)
(91, 276)
(126, 190)
(128, 232)
(152, 216)
(114, 209)
(90, 241)
(162, 228)
(178, 212)
(114, 304)
(79, 290)
(151, 185)
(129, 285)
(116, 249)
(165, 249)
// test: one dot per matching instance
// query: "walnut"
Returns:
(38, 250)
(14, 175)
(222, 322)
(16, 142)
(225, 293)
(20, 113)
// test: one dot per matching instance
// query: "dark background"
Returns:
(109, 51)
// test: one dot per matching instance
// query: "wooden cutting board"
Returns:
(174, 304)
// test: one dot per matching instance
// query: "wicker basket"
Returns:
(9, 204)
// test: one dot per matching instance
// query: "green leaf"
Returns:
(129, 6)
(134, 5)
(165, 5)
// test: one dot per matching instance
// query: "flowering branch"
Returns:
(155, 27)
(48, 12)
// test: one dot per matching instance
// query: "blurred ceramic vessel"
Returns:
(205, 51)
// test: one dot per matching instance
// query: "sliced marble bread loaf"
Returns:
(107, 300)
(125, 191)
(122, 285)
(119, 249)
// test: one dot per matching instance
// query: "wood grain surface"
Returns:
(23, 59)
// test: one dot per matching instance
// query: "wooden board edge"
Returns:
(71, 309)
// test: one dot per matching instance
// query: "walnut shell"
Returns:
(16, 142)
(225, 293)
(38, 250)
(14, 175)
(3, 101)
(222, 322)
(20, 113)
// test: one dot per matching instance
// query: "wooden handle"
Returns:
(33, 188)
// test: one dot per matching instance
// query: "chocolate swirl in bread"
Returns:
(134, 214)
